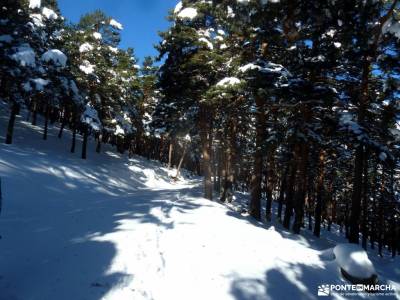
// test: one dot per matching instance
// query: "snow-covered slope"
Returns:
(117, 228)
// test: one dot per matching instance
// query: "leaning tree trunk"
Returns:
(11, 123)
(63, 122)
(170, 152)
(178, 170)
(256, 178)
(205, 138)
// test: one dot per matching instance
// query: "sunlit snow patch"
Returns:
(354, 261)
(188, 13)
(34, 4)
(116, 24)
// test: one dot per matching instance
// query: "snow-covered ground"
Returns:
(117, 228)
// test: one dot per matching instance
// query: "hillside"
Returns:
(117, 228)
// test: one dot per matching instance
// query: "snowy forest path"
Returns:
(115, 228)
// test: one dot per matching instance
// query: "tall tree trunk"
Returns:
(121, 144)
(11, 123)
(256, 178)
(84, 141)
(368, 57)
(270, 183)
(364, 225)
(289, 195)
(301, 192)
(310, 202)
(63, 122)
(46, 122)
(215, 166)
(354, 221)
(320, 192)
(73, 137)
(205, 138)
(140, 142)
(34, 112)
(393, 236)
(381, 227)
(227, 194)
(219, 169)
(161, 155)
(98, 145)
(282, 193)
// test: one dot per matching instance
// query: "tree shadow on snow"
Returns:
(294, 281)
(53, 248)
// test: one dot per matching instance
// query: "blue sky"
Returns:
(142, 19)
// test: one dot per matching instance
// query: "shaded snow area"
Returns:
(55, 56)
(115, 228)
(25, 56)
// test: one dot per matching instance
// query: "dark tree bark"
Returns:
(320, 192)
(60, 132)
(289, 195)
(160, 154)
(301, 191)
(227, 194)
(34, 112)
(354, 222)
(63, 122)
(256, 178)
(11, 123)
(270, 183)
(219, 170)
(73, 137)
(393, 236)
(98, 145)
(367, 59)
(364, 225)
(282, 193)
(205, 139)
(46, 122)
(84, 141)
